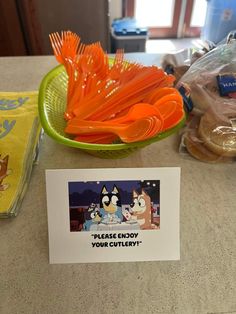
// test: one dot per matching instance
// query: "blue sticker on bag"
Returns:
(226, 83)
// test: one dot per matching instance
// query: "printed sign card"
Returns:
(113, 215)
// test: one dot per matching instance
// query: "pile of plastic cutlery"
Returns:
(114, 100)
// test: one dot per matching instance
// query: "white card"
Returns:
(113, 215)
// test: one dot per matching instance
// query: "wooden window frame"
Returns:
(156, 32)
(189, 31)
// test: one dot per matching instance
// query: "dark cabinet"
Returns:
(26, 24)
(11, 35)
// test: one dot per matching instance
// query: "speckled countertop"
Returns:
(203, 281)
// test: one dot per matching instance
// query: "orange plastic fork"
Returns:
(66, 49)
(117, 66)
(125, 96)
(92, 68)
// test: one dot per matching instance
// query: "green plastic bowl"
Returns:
(52, 103)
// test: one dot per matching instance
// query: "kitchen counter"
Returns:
(203, 281)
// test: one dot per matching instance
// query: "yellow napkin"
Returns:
(19, 137)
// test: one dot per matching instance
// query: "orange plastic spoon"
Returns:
(135, 131)
(158, 93)
(166, 109)
(137, 111)
(173, 119)
(104, 138)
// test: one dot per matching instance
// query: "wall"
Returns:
(115, 9)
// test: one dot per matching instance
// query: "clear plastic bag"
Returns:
(178, 62)
(210, 133)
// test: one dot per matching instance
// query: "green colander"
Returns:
(52, 103)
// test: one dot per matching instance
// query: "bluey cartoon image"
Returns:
(92, 216)
(114, 205)
(4, 172)
(141, 209)
(110, 204)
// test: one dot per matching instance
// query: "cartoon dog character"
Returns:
(92, 216)
(110, 205)
(141, 209)
(4, 172)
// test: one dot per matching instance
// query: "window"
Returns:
(169, 18)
